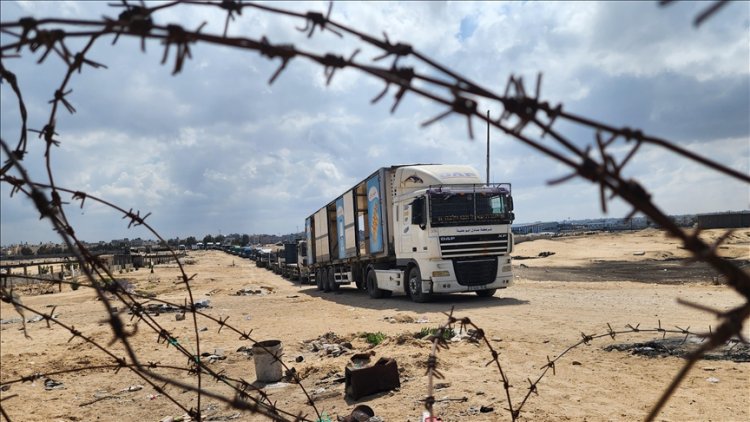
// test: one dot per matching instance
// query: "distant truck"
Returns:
(288, 261)
(416, 229)
(304, 275)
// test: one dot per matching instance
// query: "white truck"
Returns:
(416, 229)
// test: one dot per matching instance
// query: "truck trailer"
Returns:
(419, 230)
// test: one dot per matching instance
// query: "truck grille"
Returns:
(473, 245)
(475, 272)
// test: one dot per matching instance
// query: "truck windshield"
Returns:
(454, 209)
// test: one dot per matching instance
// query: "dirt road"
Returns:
(538, 317)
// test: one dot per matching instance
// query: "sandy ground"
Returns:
(554, 300)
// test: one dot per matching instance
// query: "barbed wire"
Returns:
(47, 38)
(476, 334)
(104, 283)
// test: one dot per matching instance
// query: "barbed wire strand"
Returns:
(522, 110)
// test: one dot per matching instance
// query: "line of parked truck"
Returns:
(418, 230)
(285, 259)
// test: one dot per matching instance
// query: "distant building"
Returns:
(549, 227)
(727, 220)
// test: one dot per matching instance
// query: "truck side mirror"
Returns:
(417, 212)
(510, 204)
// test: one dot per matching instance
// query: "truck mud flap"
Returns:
(361, 382)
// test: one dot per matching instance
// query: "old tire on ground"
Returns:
(332, 285)
(486, 293)
(414, 286)
(372, 287)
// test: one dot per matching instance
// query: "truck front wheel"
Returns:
(372, 286)
(486, 293)
(414, 284)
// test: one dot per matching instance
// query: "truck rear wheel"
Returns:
(372, 286)
(486, 293)
(332, 285)
(414, 285)
(319, 279)
(325, 282)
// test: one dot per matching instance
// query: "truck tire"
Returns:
(372, 287)
(319, 279)
(332, 285)
(486, 293)
(324, 275)
(414, 286)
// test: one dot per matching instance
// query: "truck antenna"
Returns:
(488, 147)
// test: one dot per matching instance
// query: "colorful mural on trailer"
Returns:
(374, 214)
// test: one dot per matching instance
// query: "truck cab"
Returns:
(451, 231)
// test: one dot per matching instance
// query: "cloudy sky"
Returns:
(216, 149)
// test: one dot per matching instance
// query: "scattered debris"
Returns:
(361, 359)
(11, 321)
(322, 394)
(179, 317)
(639, 253)
(253, 291)
(399, 318)
(213, 357)
(681, 347)
(202, 304)
(361, 413)
(576, 363)
(712, 380)
(427, 418)
(545, 254)
(50, 384)
(125, 285)
(442, 385)
(246, 350)
(333, 377)
(329, 344)
(136, 387)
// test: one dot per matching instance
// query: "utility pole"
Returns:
(488, 147)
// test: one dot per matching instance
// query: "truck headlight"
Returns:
(506, 268)
(441, 273)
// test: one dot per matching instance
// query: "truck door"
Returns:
(412, 227)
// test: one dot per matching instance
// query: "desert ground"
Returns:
(590, 281)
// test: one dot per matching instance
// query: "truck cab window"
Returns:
(417, 212)
(497, 205)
